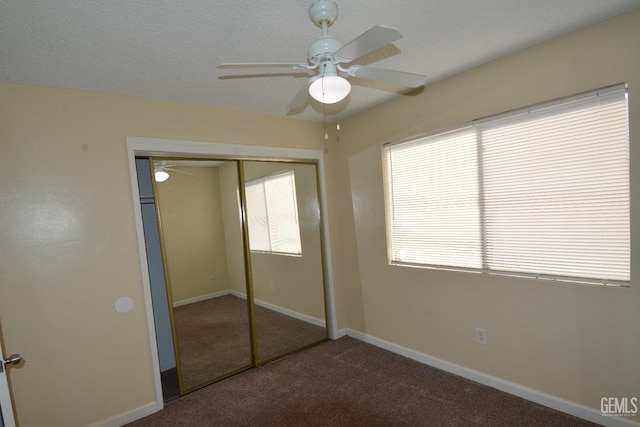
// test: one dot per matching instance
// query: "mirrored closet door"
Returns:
(283, 218)
(199, 219)
(242, 255)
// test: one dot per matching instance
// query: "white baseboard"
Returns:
(296, 315)
(200, 298)
(515, 389)
(282, 310)
(128, 417)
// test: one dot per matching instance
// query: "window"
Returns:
(540, 192)
(272, 214)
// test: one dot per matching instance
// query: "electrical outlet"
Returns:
(481, 336)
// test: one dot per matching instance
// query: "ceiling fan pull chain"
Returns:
(324, 104)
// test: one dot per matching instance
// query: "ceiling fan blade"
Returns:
(301, 99)
(389, 76)
(372, 39)
(264, 65)
(170, 169)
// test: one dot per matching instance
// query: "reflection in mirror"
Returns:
(283, 216)
(199, 216)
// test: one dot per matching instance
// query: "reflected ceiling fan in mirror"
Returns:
(329, 60)
(161, 171)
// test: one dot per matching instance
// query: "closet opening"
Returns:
(236, 263)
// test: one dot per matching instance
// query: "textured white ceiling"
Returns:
(168, 49)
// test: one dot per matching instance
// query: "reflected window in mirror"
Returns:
(273, 214)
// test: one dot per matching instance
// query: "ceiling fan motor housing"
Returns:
(323, 47)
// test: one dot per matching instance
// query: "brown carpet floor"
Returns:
(214, 337)
(350, 383)
(279, 334)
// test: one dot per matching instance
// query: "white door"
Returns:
(6, 409)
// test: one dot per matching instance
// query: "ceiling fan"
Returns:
(328, 60)
(161, 171)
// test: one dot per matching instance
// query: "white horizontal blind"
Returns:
(432, 201)
(540, 192)
(556, 190)
(272, 214)
(259, 239)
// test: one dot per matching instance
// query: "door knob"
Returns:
(14, 359)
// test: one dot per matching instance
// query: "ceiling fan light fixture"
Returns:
(160, 175)
(330, 89)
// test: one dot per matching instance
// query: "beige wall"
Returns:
(575, 342)
(232, 226)
(193, 233)
(292, 282)
(69, 247)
